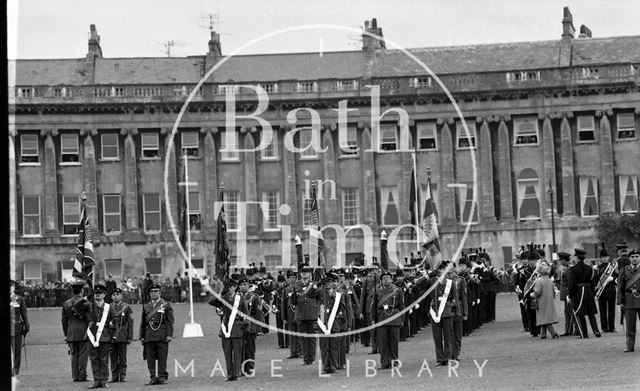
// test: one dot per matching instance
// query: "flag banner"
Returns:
(316, 237)
(414, 199)
(222, 246)
(85, 259)
(430, 229)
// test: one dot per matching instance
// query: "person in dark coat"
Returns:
(74, 326)
(388, 302)
(99, 334)
(461, 312)
(146, 284)
(253, 312)
(306, 314)
(629, 297)
(563, 271)
(111, 286)
(581, 294)
(288, 310)
(607, 299)
(19, 327)
(156, 331)
(544, 292)
(369, 288)
(122, 336)
(231, 337)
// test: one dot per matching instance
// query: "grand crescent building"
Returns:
(552, 130)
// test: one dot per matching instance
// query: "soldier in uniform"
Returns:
(288, 310)
(306, 315)
(74, 326)
(607, 299)
(629, 296)
(99, 332)
(388, 302)
(333, 312)
(254, 311)
(232, 337)
(346, 322)
(370, 287)
(19, 327)
(122, 336)
(277, 305)
(461, 313)
(156, 331)
(563, 273)
(581, 294)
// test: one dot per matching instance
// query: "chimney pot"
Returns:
(568, 30)
(585, 32)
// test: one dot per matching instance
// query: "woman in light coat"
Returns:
(545, 294)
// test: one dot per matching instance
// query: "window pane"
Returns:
(110, 145)
(112, 204)
(151, 202)
(153, 265)
(271, 215)
(112, 223)
(194, 202)
(69, 143)
(31, 205)
(233, 154)
(29, 144)
(152, 221)
(113, 267)
(189, 140)
(71, 211)
(150, 140)
(350, 206)
(585, 122)
(625, 121)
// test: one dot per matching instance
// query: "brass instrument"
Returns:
(528, 286)
(611, 267)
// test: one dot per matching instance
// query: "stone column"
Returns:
(568, 180)
(447, 195)
(548, 158)
(90, 180)
(607, 178)
(290, 191)
(131, 193)
(50, 184)
(210, 181)
(485, 175)
(504, 158)
(330, 171)
(250, 184)
(13, 201)
(172, 180)
(367, 162)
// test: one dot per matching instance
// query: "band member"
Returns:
(570, 327)
(74, 326)
(306, 315)
(629, 296)
(288, 311)
(156, 331)
(442, 309)
(581, 294)
(370, 287)
(461, 313)
(283, 342)
(346, 323)
(232, 307)
(254, 311)
(19, 327)
(122, 336)
(388, 302)
(332, 312)
(607, 299)
(99, 333)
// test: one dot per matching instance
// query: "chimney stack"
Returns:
(370, 43)
(568, 30)
(585, 32)
(94, 43)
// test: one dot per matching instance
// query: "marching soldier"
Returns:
(389, 301)
(306, 315)
(122, 336)
(19, 327)
(232, 323)
(99, 334)
(460, 316)
(74, 326)
(606, 301)
(629, 296)
(581, 295)
(288, 311)
(156, 331)
(254, 311)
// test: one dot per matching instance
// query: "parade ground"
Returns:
(499, 356)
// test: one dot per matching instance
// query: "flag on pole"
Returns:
(222, 246)
(430, 229)
(83, 265)
(414, 199)
(384, 254)
(316, 236)
(184, 224)
(299, 255)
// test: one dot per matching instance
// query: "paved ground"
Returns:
(513, 360)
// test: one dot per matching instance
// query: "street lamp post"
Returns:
(553, 219)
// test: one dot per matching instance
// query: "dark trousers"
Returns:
(343, 345)
(607, 307)
(308, 343)
(99, 362)
(282, 340)
(569, 322)
(442, 335)
(232, 348)
(16, 348)
(630, 317)
(118, 359)
(373, 335)
(491, 298)
(583, 325)
(388, 338)
(265, 330)
(294, 342)
(79, 352)
(249, 356)
(457, 337)
(329, 350)
(157, 352)
(533, 329)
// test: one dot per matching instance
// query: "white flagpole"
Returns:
(188, 224)
(417, 209)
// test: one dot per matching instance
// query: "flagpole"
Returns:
(188, 226)
(417, 209)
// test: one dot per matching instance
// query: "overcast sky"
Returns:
(140, 28)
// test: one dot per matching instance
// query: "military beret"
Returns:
(331, 277)
(633, 252)
(232, 282)
(604, 253)
(340, 272)
(155, 285)
(306, 269)
(117, 290)
(386, 273)
(564, 256)
(243, 280)
(579, 252)
(99, 288)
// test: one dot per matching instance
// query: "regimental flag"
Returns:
(414, 199)
(430, 229)
(222, 245)
(83, 265)
(314, 229)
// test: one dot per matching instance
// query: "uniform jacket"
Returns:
(74, 322)
(626, 295)
(287, 306)
(122, 321)
(254, 311)
(306, 307)
(352, 303)
(239, 323)
(435, 296)
(19, 320)
(157, 321)
(609, 290)
(369, 288)
(327, 300)
(463, 305)
(389, 301)
(581, 289)
(95, 316)
(564, 281)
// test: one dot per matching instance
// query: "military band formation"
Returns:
(388, 307)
